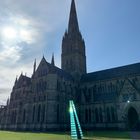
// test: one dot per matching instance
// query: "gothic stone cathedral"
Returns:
(107, 99)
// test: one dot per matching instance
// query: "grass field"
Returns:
(6, 135)
(97, 135)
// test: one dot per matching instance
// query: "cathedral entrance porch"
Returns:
(133, 119)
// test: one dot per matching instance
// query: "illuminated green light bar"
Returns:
(76, 131)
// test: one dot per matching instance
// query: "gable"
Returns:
(129, 92)
(43, 68)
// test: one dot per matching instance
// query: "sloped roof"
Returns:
(23, 80)
(112, 73)
(44, 68)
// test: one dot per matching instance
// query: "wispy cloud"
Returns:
(10, 53)
(3, 90)
(4, 95)
(32, 21)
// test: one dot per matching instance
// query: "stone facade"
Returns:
(73, 47)
(109, 96)
(108, 99)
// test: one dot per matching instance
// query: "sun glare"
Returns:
(16, 31)
(9, 33)
(24, 35)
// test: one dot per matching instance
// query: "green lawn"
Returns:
(6, 135)
(96, 135)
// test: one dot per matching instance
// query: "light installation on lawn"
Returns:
(76, 131)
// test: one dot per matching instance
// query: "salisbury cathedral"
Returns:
(107, 99)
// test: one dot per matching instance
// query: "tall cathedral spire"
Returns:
(73, 47)
(73, 21)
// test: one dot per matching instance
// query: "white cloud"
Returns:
(10, 54)
(33, 20)
(8, 76)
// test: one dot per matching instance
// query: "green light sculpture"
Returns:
(76, 131)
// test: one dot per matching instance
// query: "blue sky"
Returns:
(111, 29)
(112, 34)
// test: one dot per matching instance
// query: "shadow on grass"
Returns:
(108, 134)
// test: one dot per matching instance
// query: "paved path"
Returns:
(102, 138)
(135, 135)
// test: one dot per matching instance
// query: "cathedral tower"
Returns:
(73, 46)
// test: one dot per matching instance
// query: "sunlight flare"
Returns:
(9, 33)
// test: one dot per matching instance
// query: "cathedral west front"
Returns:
(107, 99)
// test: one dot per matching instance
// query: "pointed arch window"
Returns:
(24, 116)
(96, 115)
(108, 114)
(58, 115)
(100, 114)
(38, 114)
(33, 114)
(86, 116)
(113, 114)
(89, 115)
(43, 114)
